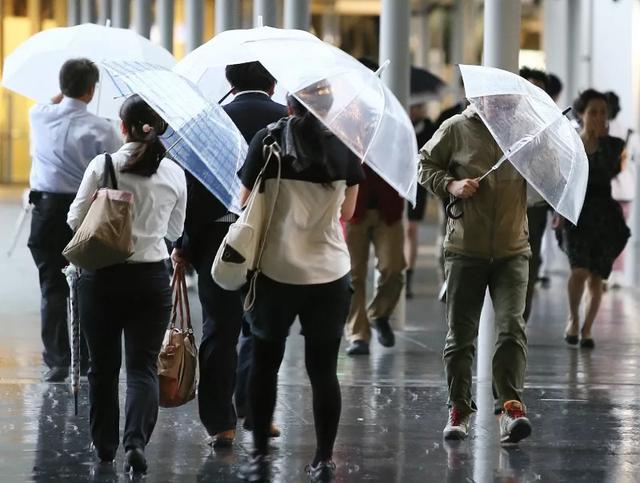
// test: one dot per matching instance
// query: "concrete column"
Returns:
(88, 11)
(265, 9)
(394, 46)
(420, 35)
(121, 13)
(104, 12)
(297, 14)
(73, 12)
(227, 15)
(165, 13)
(502, 34)
(194, 23)
(555, 41)
(142, 17)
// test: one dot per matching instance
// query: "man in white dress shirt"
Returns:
(65, 137)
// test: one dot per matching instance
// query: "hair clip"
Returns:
(146, 128)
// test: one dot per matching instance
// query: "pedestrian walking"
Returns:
(485, 248)
(131, 298)
(600, 234)
(64, 137)
(223, 370)
(304, 271)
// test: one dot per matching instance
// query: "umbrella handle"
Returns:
(449, 209)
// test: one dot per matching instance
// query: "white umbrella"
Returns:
(33, 68)
(202, 138)
(363, 113)
(205, 65)
(534, 135)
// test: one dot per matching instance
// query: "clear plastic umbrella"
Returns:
(205, 65)
(33, 68)
(351, 101)
(202, 138)
(534, 135)
(71, 273)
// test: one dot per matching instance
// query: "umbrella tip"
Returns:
(260, 22)
(383, 67)
(107, 23)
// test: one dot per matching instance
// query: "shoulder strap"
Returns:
(109, 172)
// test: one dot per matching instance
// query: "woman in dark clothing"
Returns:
(305, 273)
(601, 233)
(131, 298)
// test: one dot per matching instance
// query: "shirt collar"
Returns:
(252, 92)
(128, 148)
(74, 104)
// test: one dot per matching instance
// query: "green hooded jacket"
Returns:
(494, 224)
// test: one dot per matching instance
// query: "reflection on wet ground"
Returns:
(585, 405)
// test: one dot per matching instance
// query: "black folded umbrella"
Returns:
(423, 83)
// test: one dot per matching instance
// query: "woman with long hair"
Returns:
(304, 271)
(600, 235)
(131, 298)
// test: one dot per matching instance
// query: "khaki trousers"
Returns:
(388, 244)
(467, 281)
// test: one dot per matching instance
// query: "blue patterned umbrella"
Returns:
(202, 138)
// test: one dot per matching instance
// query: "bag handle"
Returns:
(180, 308)
(269, 150)
(109, 172)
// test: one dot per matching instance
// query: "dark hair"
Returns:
(250, 76)
(143, 126)
(585, 97)
(78, 77)
(554, 86)
(613, 102)
(310, 136)
(536, 75)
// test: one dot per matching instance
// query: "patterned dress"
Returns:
(601, 233)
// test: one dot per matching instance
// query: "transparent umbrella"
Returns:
(534, 135)
(205, 65)
(33, 68)
(351, 101)
(202, 138)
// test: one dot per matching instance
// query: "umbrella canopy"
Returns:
(424, 85)
(351, 101)
(205, 65)
(534, 135)
(202, 138)
(33, 68)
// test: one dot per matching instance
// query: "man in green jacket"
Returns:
(487, 247)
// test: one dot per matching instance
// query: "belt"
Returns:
(46, 195)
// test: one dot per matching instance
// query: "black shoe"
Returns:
(322, 472)
(104, 455)
(358, 348)
(256, 470)
(571, 339)
(104, 471)
(587, 344)
(134, 461)
(384, 331)
(56, 374)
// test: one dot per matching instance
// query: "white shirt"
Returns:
(159, 203)
(64, 138)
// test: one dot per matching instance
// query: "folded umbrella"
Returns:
(202, 138)
(33, 68)
(71, 274)
(351, 101)
(534, 135)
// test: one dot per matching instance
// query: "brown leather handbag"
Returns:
(178, 358)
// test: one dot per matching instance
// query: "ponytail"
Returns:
(144, 126)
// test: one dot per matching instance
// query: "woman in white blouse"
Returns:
(133, 298)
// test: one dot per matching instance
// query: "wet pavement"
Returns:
(584, 405)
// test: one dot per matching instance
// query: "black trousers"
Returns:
(222, 372)
(134, 300)
(49, 235)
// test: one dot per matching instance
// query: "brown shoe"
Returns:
(274, 432)
(223, 439)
